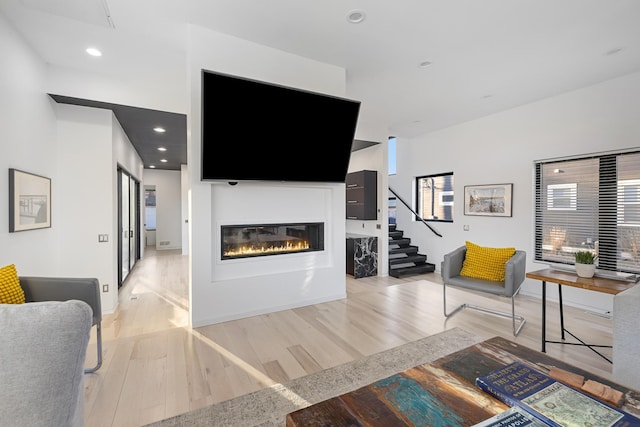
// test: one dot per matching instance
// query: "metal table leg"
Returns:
(544, 315)
(561, 311)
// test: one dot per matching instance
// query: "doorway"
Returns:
(150, 215)
(128, 224)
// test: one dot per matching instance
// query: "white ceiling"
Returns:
(486, 55)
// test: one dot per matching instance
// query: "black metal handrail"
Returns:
(415, 213)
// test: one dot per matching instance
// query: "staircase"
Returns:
(404, 258)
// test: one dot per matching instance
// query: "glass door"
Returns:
(128, 224)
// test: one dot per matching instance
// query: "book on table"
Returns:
(550, 400)
(512, 417)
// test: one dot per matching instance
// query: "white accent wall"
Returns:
(231, 289)
(501, 148)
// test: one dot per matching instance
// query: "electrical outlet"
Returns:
(465, 227)
(105, 288)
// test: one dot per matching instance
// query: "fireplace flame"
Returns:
(267, 249)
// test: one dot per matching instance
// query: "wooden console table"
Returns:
(567, 278)
(441, 393)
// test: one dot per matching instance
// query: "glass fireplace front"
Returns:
(242, 241)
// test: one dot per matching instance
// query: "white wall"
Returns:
(168, 206)
(184, 208)
(28, 143)
(158, 92)
(91, 145)
(219, 292)
(84, 196)
(78, 148)
(501, 148)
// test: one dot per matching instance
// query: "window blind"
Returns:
(589, 203)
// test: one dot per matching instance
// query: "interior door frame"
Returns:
(135, 256)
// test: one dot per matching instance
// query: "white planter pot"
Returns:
(585, 270)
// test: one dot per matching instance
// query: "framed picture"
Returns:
(488, 200)
(29, 201)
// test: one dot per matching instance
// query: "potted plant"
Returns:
(585, 263)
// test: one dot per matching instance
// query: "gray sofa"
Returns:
(42, 352)
(626, 337)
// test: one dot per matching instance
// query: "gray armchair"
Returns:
(514, 277)
(38, 289)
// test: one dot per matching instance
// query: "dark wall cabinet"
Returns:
(362, 195)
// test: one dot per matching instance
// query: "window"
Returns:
(150, 208)
(562, 197)
(589, 203)
(392, 155)
(393, 204)
(434, 197)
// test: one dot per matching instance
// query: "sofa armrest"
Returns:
(43, 347)
(514, 273)
(626, 338)
(452, 264)
(38, 289)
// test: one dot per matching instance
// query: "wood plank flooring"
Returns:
(156, 367)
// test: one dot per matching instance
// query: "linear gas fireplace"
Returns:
(242, 241)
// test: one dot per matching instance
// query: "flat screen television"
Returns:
(257, 131)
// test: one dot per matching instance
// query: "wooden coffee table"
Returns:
(439, 393)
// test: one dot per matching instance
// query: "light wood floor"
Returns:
(156, 367)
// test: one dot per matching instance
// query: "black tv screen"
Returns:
(258, 131)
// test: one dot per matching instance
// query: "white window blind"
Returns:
(589, 203)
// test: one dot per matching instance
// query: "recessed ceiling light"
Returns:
(163, 160)
(162, 149)
(152, 167)
(93, 51)
(424, 64)
(159, 129)
(356, 16)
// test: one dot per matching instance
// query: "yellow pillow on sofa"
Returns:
(10, 290)
(486, 263)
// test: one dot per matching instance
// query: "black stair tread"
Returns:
(420, 269)
(417, 258)
(402, 242)
(403, 250)
(395, 234)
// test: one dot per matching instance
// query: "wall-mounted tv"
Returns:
(257, 131)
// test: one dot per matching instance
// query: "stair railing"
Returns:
(415, 213)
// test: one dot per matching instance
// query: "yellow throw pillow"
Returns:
(486, 263)
(10, 290)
